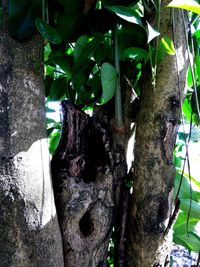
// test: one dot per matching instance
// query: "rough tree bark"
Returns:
(87, 172)
(29, 231)
(154, 173)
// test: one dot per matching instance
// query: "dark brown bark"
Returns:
(121, 229)
(154, 173)
(29, 231)
(86, 172)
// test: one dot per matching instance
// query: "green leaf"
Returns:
(49, 33)
(49, 70)
(193, 180)
(58, 88)
(185, 186)
(135, 53)
(195, 235)
(49, 121)
(84, 50)
(54, 141)
(177, 240)
(168, 45)
(180, 224)
(81, 74)
(108, 81)
(180, 237)
(186, 108)
(65, 62)
(126, 13)
(195, 208)
(79, 46)
(188, 5)
(49, 131)
(189, 77)
(197, 63)
(152, 33)
(197, 34)
(47, 51)
(85, 95)
(192, 242)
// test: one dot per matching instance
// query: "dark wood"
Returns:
(86, 171)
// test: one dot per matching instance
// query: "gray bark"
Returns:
(154, 173)
(87, 172)
(29, 231)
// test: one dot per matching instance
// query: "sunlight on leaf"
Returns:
(152, 33)
(108, 81)
(192, 242)
(126, 13)
(48, 32)
(195, 207)
(188, 5)
(168, 45)
(54, 141)
(135, 53)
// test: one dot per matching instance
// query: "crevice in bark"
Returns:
(121, 229)
(86, 224)
(87, 173)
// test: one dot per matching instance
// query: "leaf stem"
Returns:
(157, 39)
(118, 101)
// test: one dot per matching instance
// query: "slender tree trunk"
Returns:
(154, 173)
(29, 231)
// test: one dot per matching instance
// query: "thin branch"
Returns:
(118, 101)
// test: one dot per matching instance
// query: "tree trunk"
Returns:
(86, 173)
(29, 231)
(154, 173)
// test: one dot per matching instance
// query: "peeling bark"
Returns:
(29, 230)
(154, 173)
(86, 171)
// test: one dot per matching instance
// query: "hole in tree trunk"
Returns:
(86, 225)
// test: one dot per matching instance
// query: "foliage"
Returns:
(186, 226)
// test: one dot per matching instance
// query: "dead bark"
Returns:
(154, 173)
(29, 231)
(86, 172)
